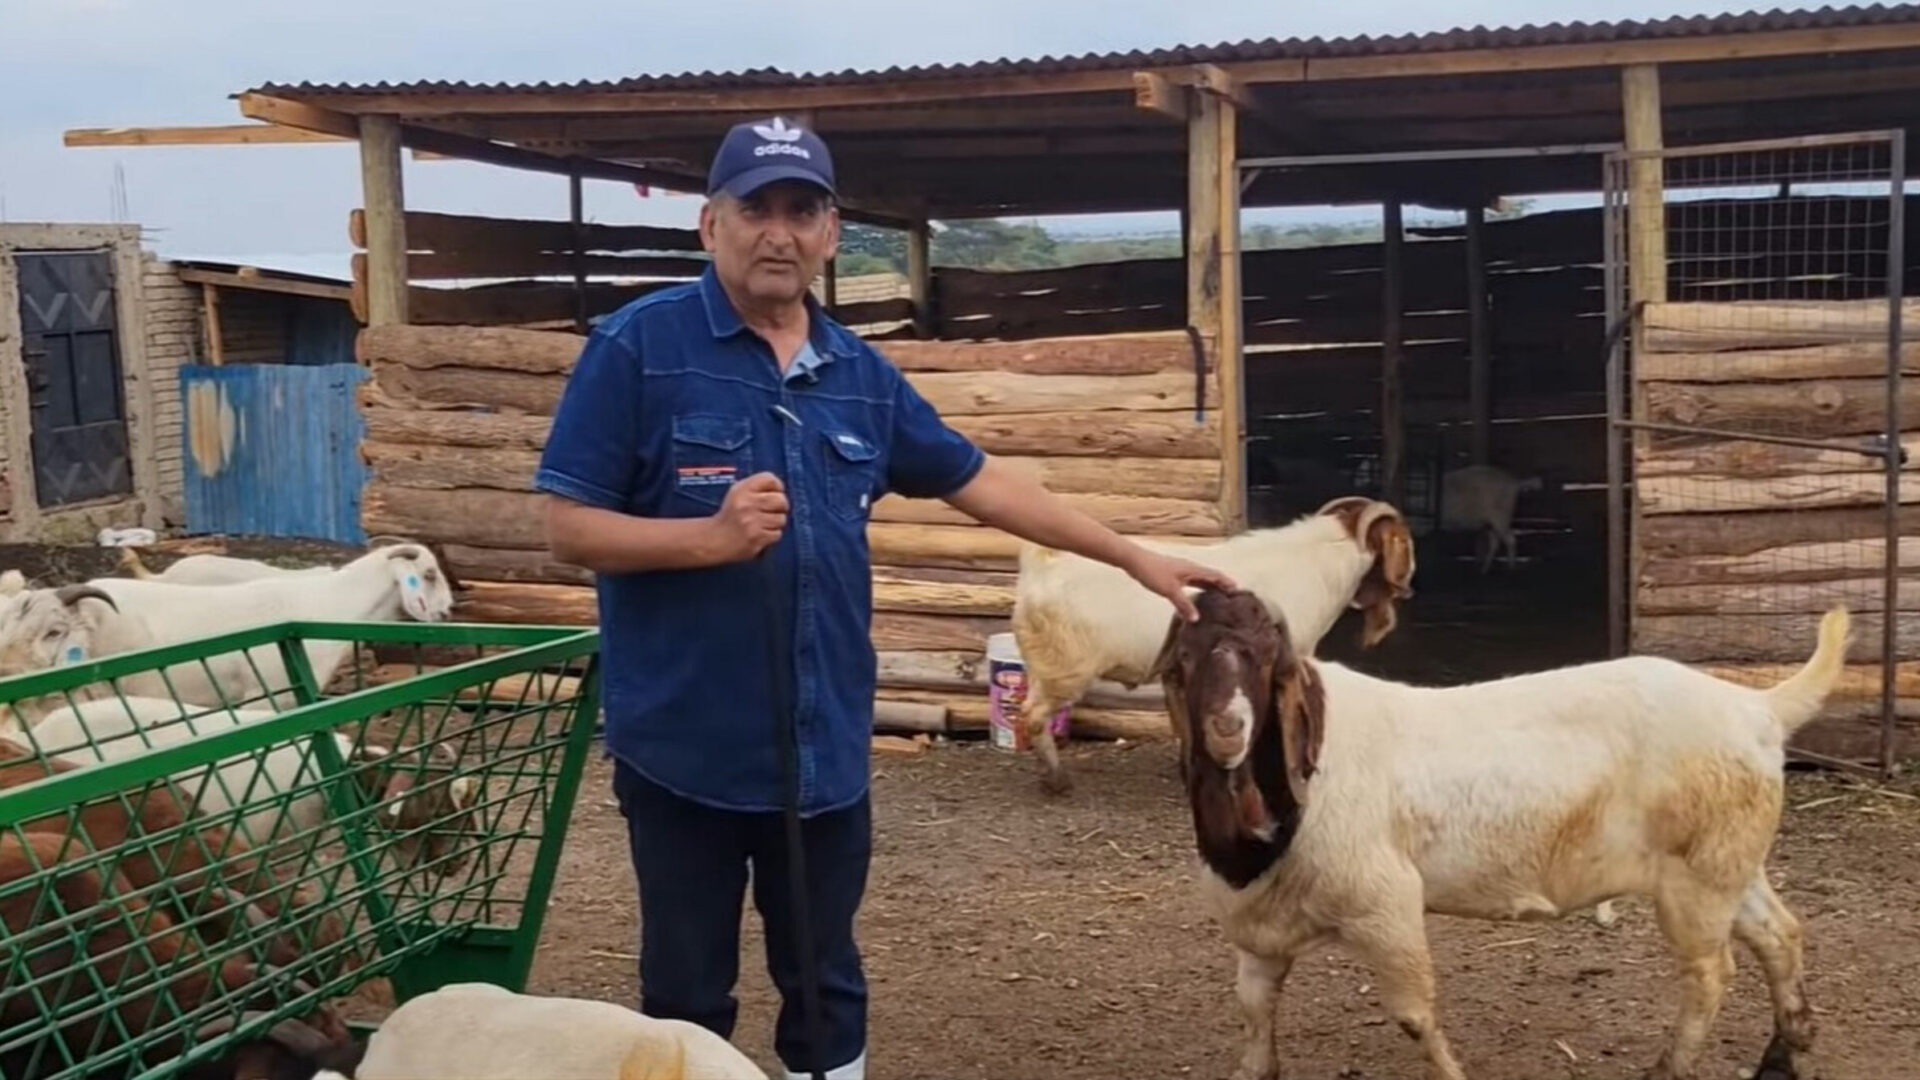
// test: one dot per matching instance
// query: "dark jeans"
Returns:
(691, 862)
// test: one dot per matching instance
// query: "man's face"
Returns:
(771, 244)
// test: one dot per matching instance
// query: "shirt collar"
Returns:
(725, 322)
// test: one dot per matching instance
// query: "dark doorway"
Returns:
(71, 345)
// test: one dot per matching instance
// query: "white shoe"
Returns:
(852, 1070)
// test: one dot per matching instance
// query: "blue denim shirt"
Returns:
(672, 400)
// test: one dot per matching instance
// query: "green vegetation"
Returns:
(992, 244)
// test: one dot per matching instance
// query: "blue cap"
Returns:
(759, 152)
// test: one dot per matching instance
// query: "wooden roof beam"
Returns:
(202, 135)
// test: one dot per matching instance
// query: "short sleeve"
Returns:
(592, 450)
(928, 459)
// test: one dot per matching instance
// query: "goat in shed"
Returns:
(1077, 620)
(1480, 499)
(84, 940)
(1331, 805)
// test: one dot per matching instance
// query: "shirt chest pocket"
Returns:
(710, 452)
(853, 473)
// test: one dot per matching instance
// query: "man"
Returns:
(713, 433)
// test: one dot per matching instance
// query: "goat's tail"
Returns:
(130, 562)
(1799, 698)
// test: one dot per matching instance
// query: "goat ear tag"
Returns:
(413, 581)
(75, 654)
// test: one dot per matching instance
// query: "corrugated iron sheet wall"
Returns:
(273, 450)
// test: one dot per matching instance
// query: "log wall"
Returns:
(456, 417)
(1741, 545)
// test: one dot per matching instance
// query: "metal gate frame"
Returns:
(1624, 423)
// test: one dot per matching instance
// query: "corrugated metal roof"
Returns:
(1266, 49)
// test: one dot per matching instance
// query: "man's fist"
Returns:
(753, 515)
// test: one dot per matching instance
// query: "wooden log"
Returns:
(997, 393)
(968, 712)
(505, 564)
(448, 428)
(966, 671)
(1122, 513)
(1724, 326)
(1857, 681)
(961, 546)
(895, 632)
(429, 231)
(1711, 494)
(909, 716)
(520, 303)
(447, 467)
(1861, 594)
(894, 744)
(512, 602)
(1680, 536)
(473, 516)
(1786, 638)
(892, 592)
(463, 387)
(1112, 354)
(502, 263)
(1096, 434)
(501, 348)
(1744, 459)
(414, 464)
(506, 691)
(1851, 360)
(1792, 563)
(1816, 408)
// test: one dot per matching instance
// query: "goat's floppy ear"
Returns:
(1348, 508)
(1173, 685)
(1300, 701)
(1390, 578)
(1163, 660)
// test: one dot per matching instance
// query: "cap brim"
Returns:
(754, 179)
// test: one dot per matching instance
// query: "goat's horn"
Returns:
(67, 594)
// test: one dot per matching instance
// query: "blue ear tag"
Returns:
(75, 654)
(413, 582)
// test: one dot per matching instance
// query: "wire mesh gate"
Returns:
(199, 844)
(1755, 416)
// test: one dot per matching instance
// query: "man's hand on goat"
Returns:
(1171, 577)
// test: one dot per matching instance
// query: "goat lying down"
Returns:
(1077, 620)
(478, 1031)
(1331, 805)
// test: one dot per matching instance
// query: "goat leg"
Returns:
(1036, 713)
(1698, 923)
(1393, 941)
(1775, 938)
(1258, 989)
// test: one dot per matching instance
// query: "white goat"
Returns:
(479, 1031)
(1480, 499)
(116, 728)
(209, 569)
(1077, 620)
(381, 585)
(47, 628)
(1332, 805)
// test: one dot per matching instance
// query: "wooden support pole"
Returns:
(576, 218)
(384, 201)
(920, 276)
(830, 285)
(1646, 282)
(216, 341)
(1393, 428)
(1479, 347)
(1211, 220)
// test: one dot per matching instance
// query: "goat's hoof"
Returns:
(1777, 1063)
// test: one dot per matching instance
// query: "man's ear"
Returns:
(708, 210)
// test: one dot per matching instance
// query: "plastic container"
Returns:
(1007, 693)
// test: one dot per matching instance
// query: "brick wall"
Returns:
(174, 337)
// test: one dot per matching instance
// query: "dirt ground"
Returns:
(1008, 936)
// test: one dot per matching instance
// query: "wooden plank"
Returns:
(894, 592)
(1856, 682)
(305, 115)
(451, 387)
(1742, 459)
(520, 303)
(1154, 92)
(474, 516)
(1818, 560)
(433, 265)
(262, 282)
(981, 393)
(1772, 638)
(507, 564)
(1860, 594)
(518, 602)
(1479, 345)
(442, 232)
(1710, 494)
(974, 547)
(1114, 354)
(216, 340)
(1140, 434)
(1850, 360)
(453, 429)
(1681, 536)
(968, 712)
(920, 277)
(1168, 478)
(1221, 87)
(502, 348)
(201, 135)
(1393, 425)
(896, 631)
(1122, 513)
(1760, 324)
(450, 467)
(965, 671)
(385, 203)
(1814, 408)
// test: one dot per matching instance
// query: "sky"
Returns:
(140, 63)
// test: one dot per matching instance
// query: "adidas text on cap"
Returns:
(758, 152)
